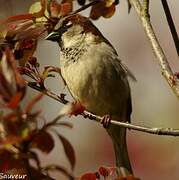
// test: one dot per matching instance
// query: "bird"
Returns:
(96, 77)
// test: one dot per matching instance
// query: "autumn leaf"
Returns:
(103, 8)
(43, 141)
(104, 171)
(9, 161)
(15, 100)
(62, 9)
(69, 151)
(12, 85)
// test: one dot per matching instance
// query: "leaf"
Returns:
(55, 8)
(109, 11)
(11, 82)
(103, 8)
(104, 171)
(9, 161)
(66, 7)
(69, 151)
(88, 176)
(15, 100)
(43, 141)
(17, 18)
(27, 48)
(38, 10)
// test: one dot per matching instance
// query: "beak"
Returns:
(53, 36)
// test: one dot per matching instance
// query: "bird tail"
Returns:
(118, 135)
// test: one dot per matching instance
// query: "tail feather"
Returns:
(118, 136)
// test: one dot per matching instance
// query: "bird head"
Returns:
(73, 30)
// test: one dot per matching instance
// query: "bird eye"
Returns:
(69, 24)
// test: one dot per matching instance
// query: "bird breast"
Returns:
(95, 77)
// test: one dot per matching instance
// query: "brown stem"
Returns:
(157, 49)
(171, 25)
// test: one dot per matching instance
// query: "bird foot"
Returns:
(105, 121)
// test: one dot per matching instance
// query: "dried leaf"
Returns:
(66, 7)
(97, 10)
(103, 8)
(69, 151)
(109, 11)
(43, 141)
(55, 8)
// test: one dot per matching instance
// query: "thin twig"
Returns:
(86, 114)
(171, 25)
(146, 6)
(159, 53)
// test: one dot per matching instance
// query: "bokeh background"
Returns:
(153, 157)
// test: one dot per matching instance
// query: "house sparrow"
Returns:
(96, 77)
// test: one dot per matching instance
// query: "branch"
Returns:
(86, 114)
(159, 53)
(171, 25)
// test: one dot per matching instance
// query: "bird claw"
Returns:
(105, 121)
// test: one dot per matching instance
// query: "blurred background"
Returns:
(153, 157)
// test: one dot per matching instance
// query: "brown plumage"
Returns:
(96, 77)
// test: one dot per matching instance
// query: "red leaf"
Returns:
(55, 8)
(104, 171)
(69, 151)
(9, 161)
(43, 141)
(17, 18)
(15, 100)
(20, 83)
(66, 8)
(88, 176)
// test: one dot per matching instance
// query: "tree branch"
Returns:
(159, 53)
(86, 114)
(171, 25)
